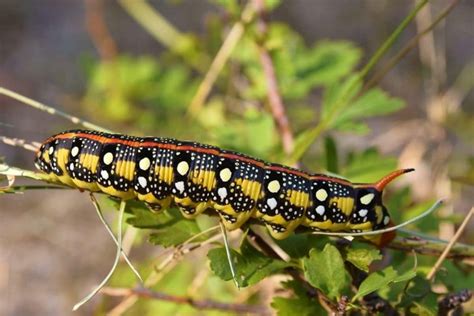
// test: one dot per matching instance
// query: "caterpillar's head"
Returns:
(369, 207)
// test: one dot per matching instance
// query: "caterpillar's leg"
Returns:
(229, 254)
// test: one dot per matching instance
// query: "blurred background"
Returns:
(137, 69)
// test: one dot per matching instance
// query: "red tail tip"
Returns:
(380, 185)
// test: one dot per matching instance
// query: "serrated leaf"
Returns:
(362, 257)
(380, 279)
(325, 270)
(326, 62)
(251, 265)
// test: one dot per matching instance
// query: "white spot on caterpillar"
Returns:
(71, 166)
(222, 192)
(74, 151)
(108, 158)
(386, 220)
(51, 150)
(363, 212)
(274, 186)
(366, 199)
(321, 195)
(144, 163)
(272, 203)
(142, 181)
(104, 174)
(180, 186)
(320, 210)
(182, 168)
(37, 166)
(225, 174)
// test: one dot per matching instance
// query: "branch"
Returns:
(98, 31)
(406, 49)
(183, 300)
(453, 240)
(274, 96)
(50, 110)
(235, 34)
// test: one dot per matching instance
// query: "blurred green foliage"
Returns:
(151, 95)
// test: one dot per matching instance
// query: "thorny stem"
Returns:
(274, 97)
(198, 304)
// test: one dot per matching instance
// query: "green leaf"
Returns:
(299, 245)
(251, 265)
(380, 279)
(368, 166)
(170, 227)
(176, 233)
(325, 270)
(300, 303)
(375, 102)
(362, 257)
(332, 164)
(326, 62)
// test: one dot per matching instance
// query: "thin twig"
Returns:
(198, 304)
(274, 97)
(50, 110)
(235, 34)
(18, 142)
(407, 48)
(98, 31)
(450, 245)
(114, 265)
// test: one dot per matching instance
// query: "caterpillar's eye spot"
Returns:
(272, 203)
(366, 199)
(321, 195)
(51, 150)
(108, 158)
(225, 174)
(104, 174)
(74, 151)
(142, 181)
(363, 212)
(274, 186)
(182, 168)
(386, 220)
(144, 164)
(320, 210)
(222, 192)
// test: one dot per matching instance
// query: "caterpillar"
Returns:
(196, 177)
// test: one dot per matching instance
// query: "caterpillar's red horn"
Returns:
(380, 185)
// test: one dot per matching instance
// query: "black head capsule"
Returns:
(369, 213)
